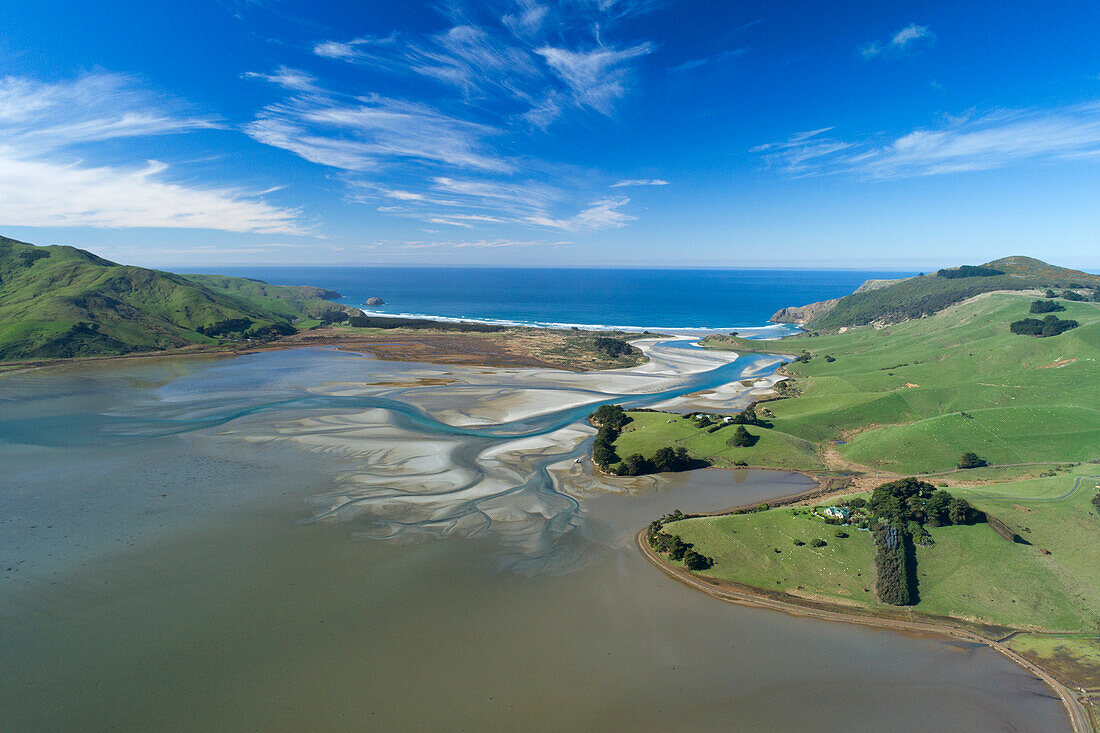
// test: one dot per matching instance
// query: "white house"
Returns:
(838, 512)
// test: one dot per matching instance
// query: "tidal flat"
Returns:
(316, 540)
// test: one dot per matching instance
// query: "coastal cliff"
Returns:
(802, 314)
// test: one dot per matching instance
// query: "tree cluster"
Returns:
(611, 415)
(1049, 326)
(612, 347)
(611, 419)
(908, 500)
(1046, 306)
(895, 566)
(229, 325)
(968, 271)
(666, 459)
(676, 549)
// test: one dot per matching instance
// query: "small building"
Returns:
(838, 512)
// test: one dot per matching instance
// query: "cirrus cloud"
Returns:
(46, 129)
(973, 142)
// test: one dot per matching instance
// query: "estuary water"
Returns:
(315, 540)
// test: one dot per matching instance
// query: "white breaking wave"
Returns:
(779, 330)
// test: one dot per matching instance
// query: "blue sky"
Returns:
(530, 132)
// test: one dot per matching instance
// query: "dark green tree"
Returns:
(971, 460)
(742, 438)
(696, 561)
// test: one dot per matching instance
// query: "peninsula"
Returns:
(957, 449)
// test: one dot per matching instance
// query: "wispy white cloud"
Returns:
(46, 128)
(596, 78)
(504, 74)
(473, 59)
(970, 143)
(527, 18)
(45, 193)
(293, 79)
(520, 59)
(640, 182)
(901, 42)
(601, 214)
(716, 58)
(37, 116)
(362, 133)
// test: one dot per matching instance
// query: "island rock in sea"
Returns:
(375, 301)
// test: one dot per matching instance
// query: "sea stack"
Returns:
(375, 301)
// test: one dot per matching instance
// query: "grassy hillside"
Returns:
(649, 431)
(59, 302)
(970, 572)
(921, 296)
(915, 396)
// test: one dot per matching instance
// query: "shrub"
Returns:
(840, 534)
(1049, 326)
(971, 460)
(1046, 306)
(817, 542)
(610, 347)
(800, 543)
(635, 465)
(959, 511)
(1070, 295)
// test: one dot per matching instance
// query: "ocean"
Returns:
(633, 299)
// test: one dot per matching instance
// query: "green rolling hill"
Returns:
(61, 302)
(924, 295)
(913, 396)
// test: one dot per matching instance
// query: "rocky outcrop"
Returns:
(375, 301)
(800, 314)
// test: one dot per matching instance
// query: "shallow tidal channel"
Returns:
(313, 540)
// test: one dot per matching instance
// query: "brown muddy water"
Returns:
(159, 571)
